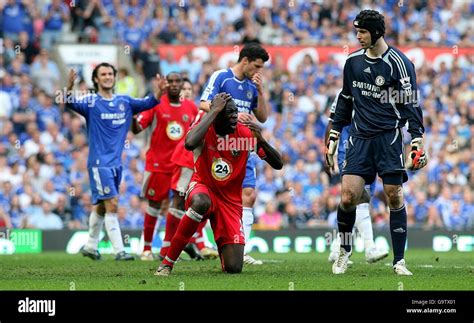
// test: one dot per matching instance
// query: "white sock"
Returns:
(96, 222)
(113, 231)
(363, 224)
(336, 244)
(247, 220)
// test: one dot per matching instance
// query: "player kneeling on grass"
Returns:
(215, 191)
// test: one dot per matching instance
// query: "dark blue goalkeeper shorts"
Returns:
(382, 155)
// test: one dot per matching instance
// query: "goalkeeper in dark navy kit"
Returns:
(378, 98)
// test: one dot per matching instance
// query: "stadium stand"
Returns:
(43, 177)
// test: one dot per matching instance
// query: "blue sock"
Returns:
(398, 231)
(345, 224)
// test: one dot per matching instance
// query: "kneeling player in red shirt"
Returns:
(221, 147)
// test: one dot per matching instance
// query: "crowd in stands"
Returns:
(43, 146)
(204, 22)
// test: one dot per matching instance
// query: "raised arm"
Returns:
(196, 135)
(82, 105)
(261, 112)
(160, 86)
(71, 79)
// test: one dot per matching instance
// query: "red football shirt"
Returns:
(169, 124)
(181, 156)
(221, 162)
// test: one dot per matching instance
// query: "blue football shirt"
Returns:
(108, 122)
(243, 92)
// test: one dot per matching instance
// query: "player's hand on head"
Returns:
(255, 128)
(219, 101)
(416, 158)
(246, 117)
(331, 147)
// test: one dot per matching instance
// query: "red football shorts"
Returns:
(181, 178)
(156, 186)
(226, 218)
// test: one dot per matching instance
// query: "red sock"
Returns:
(172, 223)
(199, 237)
(148, 230)
(186, 229)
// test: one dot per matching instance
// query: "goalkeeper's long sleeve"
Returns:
(410, 106)
(341, 111)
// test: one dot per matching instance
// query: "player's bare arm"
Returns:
(72, 76)
(246, 117)
(196, 135)
(261, 112)
(71, 79)
(160, 85)
(272, 156)
(135, 126)
(205, 105)
(69, 96)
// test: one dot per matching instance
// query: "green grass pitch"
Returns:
(59, 271)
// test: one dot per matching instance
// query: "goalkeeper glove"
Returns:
(331, 147)
(416, 157)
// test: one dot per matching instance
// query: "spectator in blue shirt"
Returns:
(47, 112)
(420, 207)
(453, 216)
(13, 15)
(133, 34)
(313, 189)
(55, 14)
(60, 179)
(80, 212)
(45, 73)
